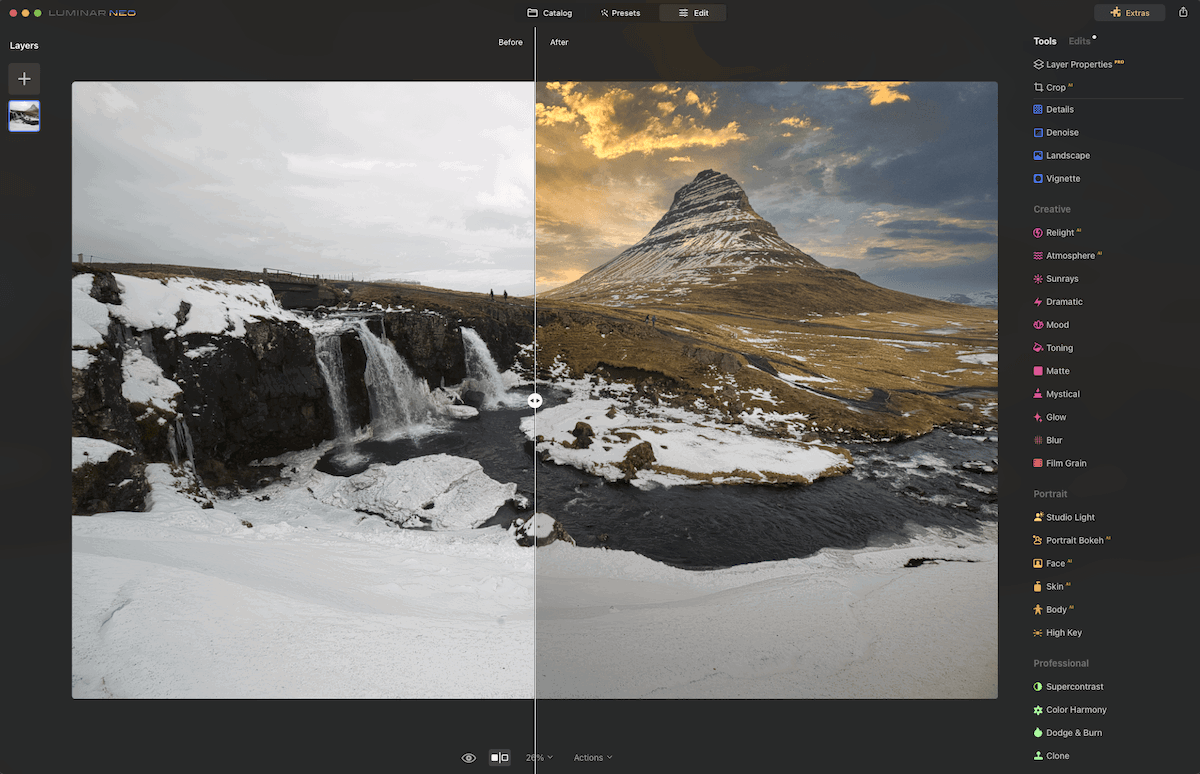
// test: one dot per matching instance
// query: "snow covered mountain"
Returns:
(709, 229)
(712, 251)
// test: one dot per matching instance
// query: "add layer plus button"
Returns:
(24, 79)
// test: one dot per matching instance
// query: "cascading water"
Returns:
(329, 360)
(173, 444)
(400, 402)
(179, 442)
(482, 369)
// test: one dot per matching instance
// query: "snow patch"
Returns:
(83, 334)
(443, 491)
(145, 382)
(216, 307)
(688, 448)
(540, 526)
(89, 317)
(92, 450)
(763, 395)
(978, 358)
(81, 359)
(793, 378)
(207, 349)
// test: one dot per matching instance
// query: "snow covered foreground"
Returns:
(313, 600)
(838, 624)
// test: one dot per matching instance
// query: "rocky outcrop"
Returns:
(105, 288)
(433, 346)
(436, 491)
(242, 399)
(584, 434)
(250, 397)
(115, 484)
(727, 362)
(590, 321)
(540, 530)
(98, 408)
(239, 398)
(761, 363)
(637, 458)
(354, 363)
(430, 343)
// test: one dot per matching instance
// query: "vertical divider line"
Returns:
(535, 372)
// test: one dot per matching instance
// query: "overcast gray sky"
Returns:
(426, 181)
(896, 181)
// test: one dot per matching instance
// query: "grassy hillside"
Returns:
(900, 368)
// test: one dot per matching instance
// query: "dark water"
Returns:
(893, 486)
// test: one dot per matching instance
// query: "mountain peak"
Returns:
(711, 191)
(710, 230)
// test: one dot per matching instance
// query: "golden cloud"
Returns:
(881, 91)
(548, 115)
(799, 123)
(705, 107)
(620, 121)
(680, 158)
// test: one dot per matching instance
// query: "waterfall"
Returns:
(173, 444)
(329, 360)
(400, 401)
(146, 345)
(482, 369)
(179, 441)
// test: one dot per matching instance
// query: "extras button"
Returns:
(1129, 13)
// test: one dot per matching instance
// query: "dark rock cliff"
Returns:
(250, 397)
(116, 484)
(432, 343)
(244, 398)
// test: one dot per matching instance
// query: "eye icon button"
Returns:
(469, 758)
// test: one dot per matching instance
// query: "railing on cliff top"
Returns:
(280, 275)
(291, 276)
